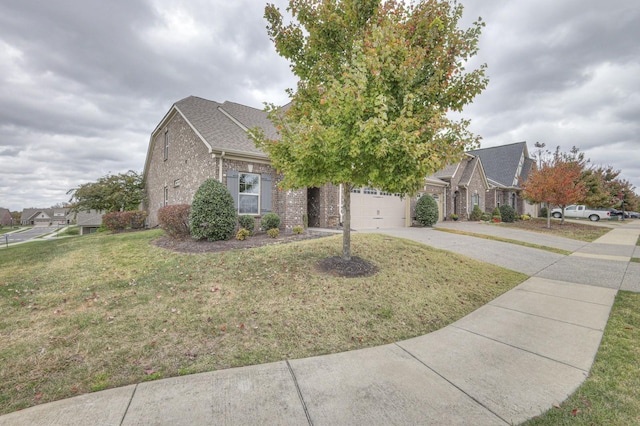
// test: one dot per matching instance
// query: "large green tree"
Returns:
(377, 80)
(110, 193)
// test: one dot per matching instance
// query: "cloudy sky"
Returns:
(83, 83)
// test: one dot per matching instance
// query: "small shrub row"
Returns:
(270, 221)
(119, 221)
(242, 234)
(273, 232)
(247, 222)
(175, 220)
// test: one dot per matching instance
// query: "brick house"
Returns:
(507, 166)
(459, 187)
(200, 139)
(5, 217)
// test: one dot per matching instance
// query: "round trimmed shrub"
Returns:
(270, 221)
(426, 211)
(213, 213)
(247, 222)
(507, 213)
(543, 212)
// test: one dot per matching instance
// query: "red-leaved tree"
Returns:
(557, 182)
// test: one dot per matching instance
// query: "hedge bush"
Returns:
(507, 213)
(476, 214)
(213, 214)
(426, 211)
(175, 220)
(270, 221)
(247, 222)
(119, 221)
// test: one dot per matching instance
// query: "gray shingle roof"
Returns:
(467, 174)
(501, 162)
(448, 172)
(220, 130)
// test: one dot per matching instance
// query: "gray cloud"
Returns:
(83, 84)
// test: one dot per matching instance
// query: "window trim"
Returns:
(243, 194)
(166, 195)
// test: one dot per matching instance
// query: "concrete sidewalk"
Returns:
(502, 364)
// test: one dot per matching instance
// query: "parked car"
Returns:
(578, 211)
(634, 215)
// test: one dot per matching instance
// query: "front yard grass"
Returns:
(611, 393)
(575, 231)
(84, 314)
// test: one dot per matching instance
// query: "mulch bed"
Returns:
(335, 265)
(189, 245)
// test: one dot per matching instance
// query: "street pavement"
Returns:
(508, 361)
(27, 235)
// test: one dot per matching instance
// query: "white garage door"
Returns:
(372, 209)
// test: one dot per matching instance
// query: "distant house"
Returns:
(5, 217)
(507, 166)
(89, 221)
(460, 187)
(45, 217)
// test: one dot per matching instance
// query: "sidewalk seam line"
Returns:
(124, 415)
(453, 384)
(295, 382)
(551, 319)
(523, 349)
(568, 298)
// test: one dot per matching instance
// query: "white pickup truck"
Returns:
(578, 211)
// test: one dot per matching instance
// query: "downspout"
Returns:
(220, 171)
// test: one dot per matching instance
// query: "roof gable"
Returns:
(505, 164)
(223, 127)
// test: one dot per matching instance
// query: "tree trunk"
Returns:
(548, 216)
(562, 220)
(346, 221)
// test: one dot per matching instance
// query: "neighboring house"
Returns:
(507, 166)
(5, 217)
(89, 221)
(45, 217)
(459, 187)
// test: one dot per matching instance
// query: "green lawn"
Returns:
(83, 314)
